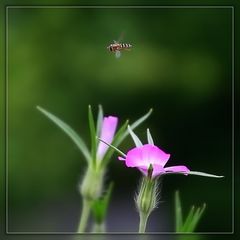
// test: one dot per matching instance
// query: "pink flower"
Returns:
(149, 156)
(108, 130)
(141, 158)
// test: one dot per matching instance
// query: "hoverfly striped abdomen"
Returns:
(118, 47)
(125, 46)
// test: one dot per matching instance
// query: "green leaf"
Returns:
(149, 137)
(192, 219)
(111, 146)
(100, 206)
(69, 131)
(195, 219)
(93, 135)
(136, 124)
(99, 120)
(193, 173)
(204, 174)
(118, 136)
(188, 220)
(178, 212)
(135, 138)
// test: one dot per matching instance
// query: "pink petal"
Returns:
(177, 169)
(108, 129)
(145, 155)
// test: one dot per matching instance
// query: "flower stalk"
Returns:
(86, 206)
(90, 189)
(142, 223)
(99, 227)
(99, 210)
(146, 200)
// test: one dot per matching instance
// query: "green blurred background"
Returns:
(180, 65)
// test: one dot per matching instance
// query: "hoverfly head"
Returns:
(109, 47)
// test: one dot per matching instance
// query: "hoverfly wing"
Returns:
(117, 54)
(121, 37)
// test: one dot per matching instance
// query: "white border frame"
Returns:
(6, 120)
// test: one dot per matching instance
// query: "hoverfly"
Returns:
(117, 47)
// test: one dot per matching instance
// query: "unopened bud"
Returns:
(146, 199)
(91, 186)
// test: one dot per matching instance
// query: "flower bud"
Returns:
(146, 199)
(92, 184)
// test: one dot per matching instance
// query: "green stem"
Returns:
(99, 228)
(84, 216)
(142, 223)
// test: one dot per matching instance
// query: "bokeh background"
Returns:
(180, 66)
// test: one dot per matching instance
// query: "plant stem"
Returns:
(84, 216)
(99, 228)
(143, 222)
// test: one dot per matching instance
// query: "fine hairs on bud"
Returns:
(92, 183)
(137, 193)
(158, 191)
(82, 178)
(147, 196)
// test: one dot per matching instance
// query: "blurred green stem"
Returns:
(143, 222)
(84, 216)
(99, 227)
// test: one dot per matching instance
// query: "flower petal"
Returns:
(146, 155)
(134, 158)
(108, 129)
